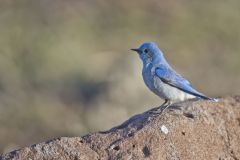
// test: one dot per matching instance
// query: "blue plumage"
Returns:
(173, 79)
(161, 79)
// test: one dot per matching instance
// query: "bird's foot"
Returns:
(156, 110)
(160, 109)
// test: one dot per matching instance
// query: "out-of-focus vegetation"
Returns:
(66, 68)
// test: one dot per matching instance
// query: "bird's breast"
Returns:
(148, 76)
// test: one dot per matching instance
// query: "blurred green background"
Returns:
(66, 68)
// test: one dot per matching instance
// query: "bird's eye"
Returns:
(145, 50)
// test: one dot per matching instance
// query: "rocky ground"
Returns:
(187, 130)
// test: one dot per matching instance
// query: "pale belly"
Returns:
(168, 92)
(164, 90)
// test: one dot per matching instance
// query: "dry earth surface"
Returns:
(187, 130)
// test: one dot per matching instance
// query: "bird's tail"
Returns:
(212, 99)
(207, 98)
(202, 96)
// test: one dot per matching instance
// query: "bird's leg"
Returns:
(161, 108)
(166, 106)
(165, 102)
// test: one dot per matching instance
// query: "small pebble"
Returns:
(164, 129)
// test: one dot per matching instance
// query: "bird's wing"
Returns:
(170, 77)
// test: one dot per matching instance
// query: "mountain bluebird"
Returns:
(162, 80)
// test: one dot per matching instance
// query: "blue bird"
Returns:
(162, 80)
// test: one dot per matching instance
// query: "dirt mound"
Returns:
(188, 130)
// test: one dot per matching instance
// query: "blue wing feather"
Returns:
(170, 77)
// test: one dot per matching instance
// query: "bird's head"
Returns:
(148, 52)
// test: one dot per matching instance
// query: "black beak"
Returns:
(136, 50)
